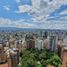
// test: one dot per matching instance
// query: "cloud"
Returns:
(23, 9)
(5, 22)
(41, 9)
(40, 12)
(18, 1)
(6, 8)
(24, 24)
(16, 23)
(64, 12)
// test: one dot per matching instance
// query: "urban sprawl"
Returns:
(15, 45)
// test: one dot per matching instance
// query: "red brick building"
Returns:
(4, 65)
(64, 57)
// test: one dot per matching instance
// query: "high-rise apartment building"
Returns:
(30, 41)
(53, 42)
(39, 44)
(3, 57)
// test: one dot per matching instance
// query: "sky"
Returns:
(38, 14)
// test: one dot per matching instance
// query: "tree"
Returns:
(55, 60)
(42, 58)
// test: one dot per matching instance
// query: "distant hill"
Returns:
(16, 29)
(26, 29)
